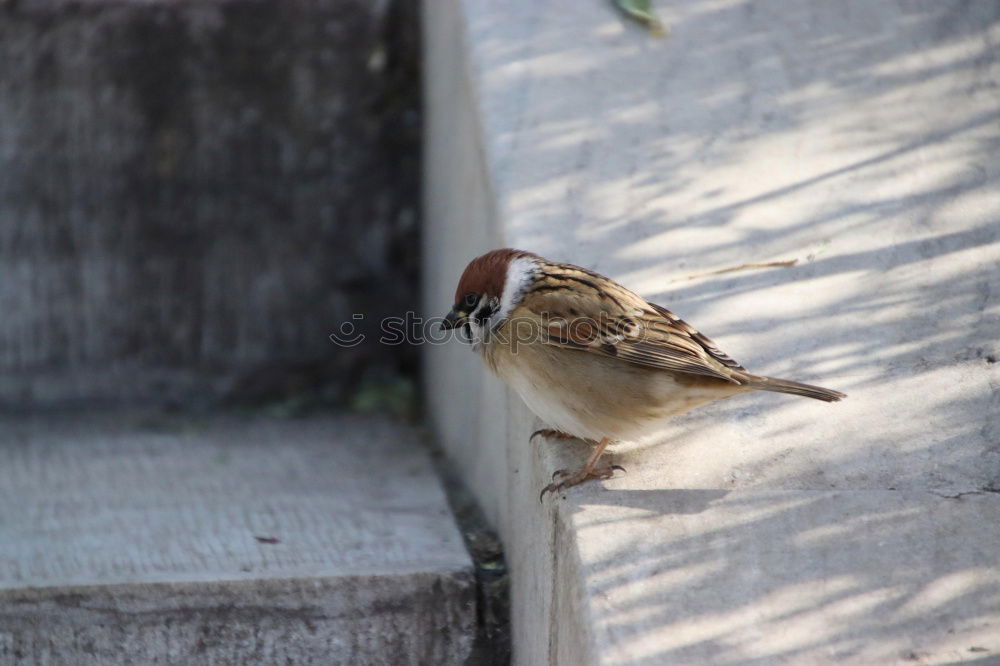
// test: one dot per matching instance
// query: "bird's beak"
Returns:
(454, 319)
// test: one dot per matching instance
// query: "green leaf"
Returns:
(642, 11)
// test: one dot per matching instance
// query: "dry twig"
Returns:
(742, 267)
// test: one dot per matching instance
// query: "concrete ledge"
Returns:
(372, 618)
(126, 540)
(805, 577)
(857, 139)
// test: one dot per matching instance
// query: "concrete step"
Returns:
(134, 539)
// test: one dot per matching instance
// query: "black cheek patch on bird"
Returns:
(484, 314)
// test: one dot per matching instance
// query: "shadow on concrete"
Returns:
(862, 141)
(790, 577)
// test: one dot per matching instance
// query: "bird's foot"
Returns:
(549, 433)
(564, 478)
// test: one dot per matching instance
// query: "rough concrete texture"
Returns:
(130, 539)
(779, 577)
(859, 139)
(194, 195)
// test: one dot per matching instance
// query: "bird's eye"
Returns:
(470, 300)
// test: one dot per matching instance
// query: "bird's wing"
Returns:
(584, 311)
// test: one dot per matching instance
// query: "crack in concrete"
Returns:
(492, 641)
(982, 491)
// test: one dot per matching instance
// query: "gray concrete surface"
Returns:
(149, 539)
(193, 196)
(784, 577)
(859, 139)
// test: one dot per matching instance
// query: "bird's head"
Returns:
(490, 288)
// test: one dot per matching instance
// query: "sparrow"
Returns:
(593, 360)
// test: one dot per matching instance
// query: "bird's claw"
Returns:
(600, 473)
(549, 432)
(573, 479)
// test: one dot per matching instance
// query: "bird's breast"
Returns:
(592, 396)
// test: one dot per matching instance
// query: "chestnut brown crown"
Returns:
(487, 274)
(484, 277)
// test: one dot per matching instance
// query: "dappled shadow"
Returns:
(860, 139)
(788, 576)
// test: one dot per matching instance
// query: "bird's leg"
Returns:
(589, 471)
(549, 433)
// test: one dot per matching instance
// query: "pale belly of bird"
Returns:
(592, 396)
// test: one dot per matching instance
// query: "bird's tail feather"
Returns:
(794, 388)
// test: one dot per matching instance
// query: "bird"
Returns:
(592, 359)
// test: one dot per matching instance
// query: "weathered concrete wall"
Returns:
(857, 138)
(197, 193)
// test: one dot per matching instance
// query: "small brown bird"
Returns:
(592, 359)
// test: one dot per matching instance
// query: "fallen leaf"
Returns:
(642, 11)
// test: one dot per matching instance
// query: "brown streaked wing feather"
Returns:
(703, 340)
(588, 312)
